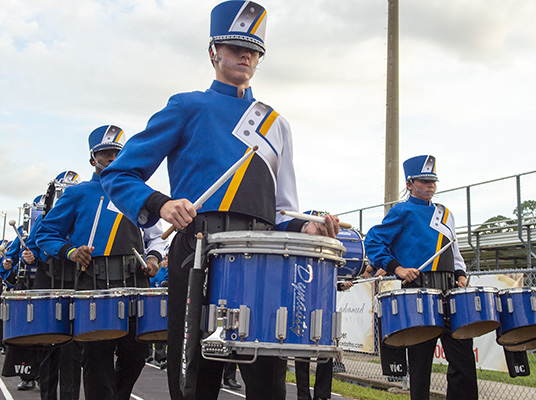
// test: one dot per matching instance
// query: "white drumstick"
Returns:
(215, 186)
(445, 247)
(95, 223)
(140, 259)
(312, 218)
(376, 278)
(94, 227)
(13, 223)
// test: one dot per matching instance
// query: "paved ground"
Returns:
(152, 385)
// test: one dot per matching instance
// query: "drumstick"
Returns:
(376, 278)
(94, 227)
(312, 218)
(140, 259)
(215, 186)
(445, 247)
(13, 223)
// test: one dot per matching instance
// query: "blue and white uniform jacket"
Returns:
(68, 225)
(202, 134)
(411, 233)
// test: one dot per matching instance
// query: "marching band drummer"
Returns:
(202, 134)
(85, 216)
(61, 364)
(410, 233)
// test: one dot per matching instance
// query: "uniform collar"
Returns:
(95, 177)
(419, 202)
(231, 90)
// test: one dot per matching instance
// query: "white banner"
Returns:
(357, 318)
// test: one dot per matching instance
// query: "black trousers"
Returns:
(108, 379)
(63, 364)
(264, 379)
(111, 367)
(324, 375)
(461, 373)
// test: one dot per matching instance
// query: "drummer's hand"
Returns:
(8, 263)
(179, 213)
(462, 281)
(345, 285)
(28, 256)
(152, 266)
(407, 274)
(330, 228)
(82, 255)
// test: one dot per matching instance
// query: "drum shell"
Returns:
(353, 242)
(151, 323)
(517, 316)
(264, 278)
(44, 328)
(108, 323)
(407, 326)
(466, 320)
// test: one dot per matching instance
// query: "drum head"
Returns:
(41, 340)
(475, 329)
(413, 336)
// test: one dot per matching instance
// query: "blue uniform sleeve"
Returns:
(51, 235)
(379, 239)
(14, 250)
(124, 179)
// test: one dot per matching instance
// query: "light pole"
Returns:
(4, 214)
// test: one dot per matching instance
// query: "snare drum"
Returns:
(410, 316)
(517, 313)
(101, 314)
(151, 315)
(352, 240)
(273, 293)
(473, 311)
(36, 317)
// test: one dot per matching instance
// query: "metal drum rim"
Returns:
(279, 243)
(103, 293)
(409, 291)
(522, 289)
(152, 291)
(36, 294)
(473, 289)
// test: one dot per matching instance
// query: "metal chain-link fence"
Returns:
(495, 229)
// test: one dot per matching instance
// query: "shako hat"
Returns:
(420, 167)
(106, 137)
(240, 23)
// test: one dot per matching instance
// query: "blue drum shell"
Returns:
(265, 282)
(44, 329)
(467, 322)
(517, 316)
(353, 242)
(152, 325)
(409, 327)
(108, 323)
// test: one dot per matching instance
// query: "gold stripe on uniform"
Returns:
(235, 183)
(112, 235)
(440, 240)
(268, 123)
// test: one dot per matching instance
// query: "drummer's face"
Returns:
(236, 65)
(106, 157)
(422, 189)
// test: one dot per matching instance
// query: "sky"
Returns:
(466, 72)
